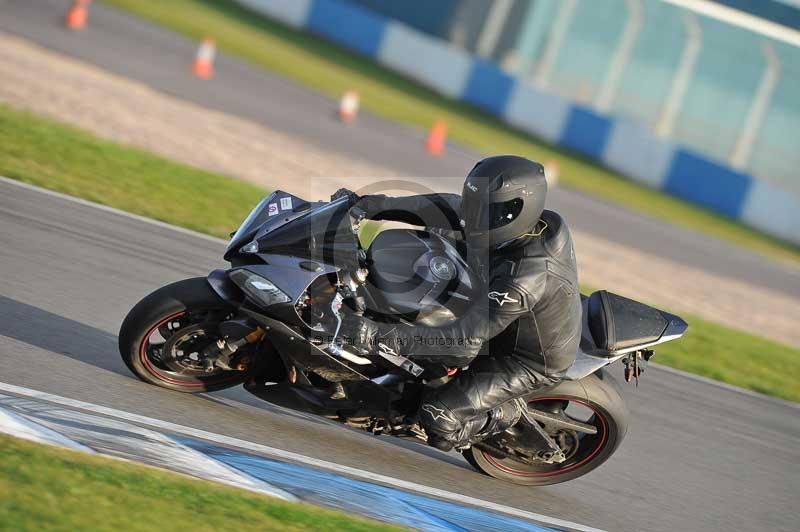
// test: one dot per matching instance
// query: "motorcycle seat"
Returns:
(616, 322)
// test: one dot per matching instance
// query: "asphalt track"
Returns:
(697, 456)
(137, 50)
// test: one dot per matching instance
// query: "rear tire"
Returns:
(155, 313)
(598, 393)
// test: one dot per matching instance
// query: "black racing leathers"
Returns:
(529, 308)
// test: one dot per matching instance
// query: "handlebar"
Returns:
(357, 215)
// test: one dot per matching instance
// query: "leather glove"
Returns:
(358, 332)
(351, 196)
(366, 334)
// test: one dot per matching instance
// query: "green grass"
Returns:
(62, 158)
(68, 160)
(48, 488)
(734, 357)
(331, 70)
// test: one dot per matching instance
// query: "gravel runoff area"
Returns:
(118, 109)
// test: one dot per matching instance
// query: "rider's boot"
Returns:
(501, 419)
(495, 421)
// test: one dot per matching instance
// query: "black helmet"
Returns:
(502, 200)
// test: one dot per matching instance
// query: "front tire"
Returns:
(167, 311)
(599, 395)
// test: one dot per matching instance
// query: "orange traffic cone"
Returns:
(203, 66)
(348, 106)
(77, 15)
(437, 138)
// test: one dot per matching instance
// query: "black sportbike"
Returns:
(271, 322)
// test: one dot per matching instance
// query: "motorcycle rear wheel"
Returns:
(189, 308)
(599, 397)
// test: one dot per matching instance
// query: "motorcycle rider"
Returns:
(529, 305)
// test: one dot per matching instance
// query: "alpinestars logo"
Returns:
(437, 413)
(386, 349)
(501, 298)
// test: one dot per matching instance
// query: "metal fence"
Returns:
(718, 80)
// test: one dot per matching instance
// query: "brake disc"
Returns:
(183, 351)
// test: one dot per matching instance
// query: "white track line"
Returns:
(295, 457)
(209, 238)
(50, 423)
(19, 426)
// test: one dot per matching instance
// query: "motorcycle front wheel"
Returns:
(595, 400)
(163, 337)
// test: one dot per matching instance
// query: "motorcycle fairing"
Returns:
(363, 398)
(591, 358)
(268, 215)
(322, 233)
(289, 273)
(225, 288)
(287, 341)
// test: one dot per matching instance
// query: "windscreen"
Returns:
(278, 208)
(323, 233)
(256, 217)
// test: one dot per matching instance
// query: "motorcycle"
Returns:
(272, 323)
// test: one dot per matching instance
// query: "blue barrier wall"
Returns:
(617, 143)
(586, 132)
(350, 26)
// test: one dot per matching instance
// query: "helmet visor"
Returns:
(504, 213)
(481, 217)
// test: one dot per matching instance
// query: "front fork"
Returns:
(220, 353)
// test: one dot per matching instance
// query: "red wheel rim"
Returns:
(603, 428)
